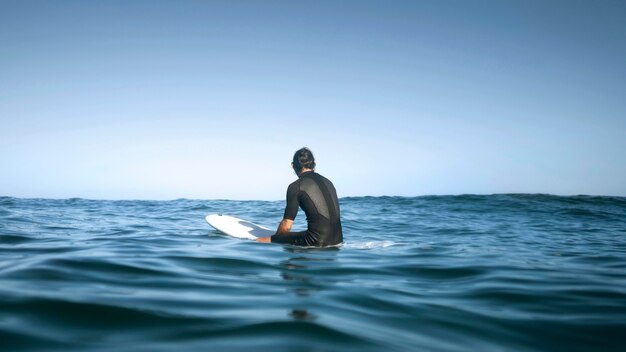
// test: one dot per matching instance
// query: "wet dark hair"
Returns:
(303, 159)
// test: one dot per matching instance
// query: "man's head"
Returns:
(303, 159)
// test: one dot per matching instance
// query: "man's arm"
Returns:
(283, 227)
(291, 210)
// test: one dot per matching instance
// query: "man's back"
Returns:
(317, 197)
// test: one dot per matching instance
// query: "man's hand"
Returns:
(283, 227)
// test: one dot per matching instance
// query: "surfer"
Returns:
(317, 197)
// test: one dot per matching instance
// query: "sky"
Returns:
(210, 99)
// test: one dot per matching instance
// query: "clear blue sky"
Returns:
(209, 99)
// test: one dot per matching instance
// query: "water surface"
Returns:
(439, 273)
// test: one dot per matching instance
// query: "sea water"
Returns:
(436, 273)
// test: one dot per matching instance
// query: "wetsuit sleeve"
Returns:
(291, 209)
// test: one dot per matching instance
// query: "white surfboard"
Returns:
(236, 227)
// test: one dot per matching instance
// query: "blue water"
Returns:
(440, 273)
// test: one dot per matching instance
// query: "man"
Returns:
(316, 195)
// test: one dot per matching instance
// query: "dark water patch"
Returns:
(58, 313)
(214, 263)
(10, 239)
(20, 219)
(569, 334)
(296, 333)
(57, 228)
(76, 270)
(27, 339)
(443, 273)
(36, 247)
(91, 325)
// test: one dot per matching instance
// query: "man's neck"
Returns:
(305, 170)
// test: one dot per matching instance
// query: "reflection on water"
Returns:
(302, 314)
(305, 282)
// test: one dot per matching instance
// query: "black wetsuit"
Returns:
(316, 195)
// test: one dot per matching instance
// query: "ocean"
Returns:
(512, 272)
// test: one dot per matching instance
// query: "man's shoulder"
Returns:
(309, 177)
(323, 178)
(294, 185)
